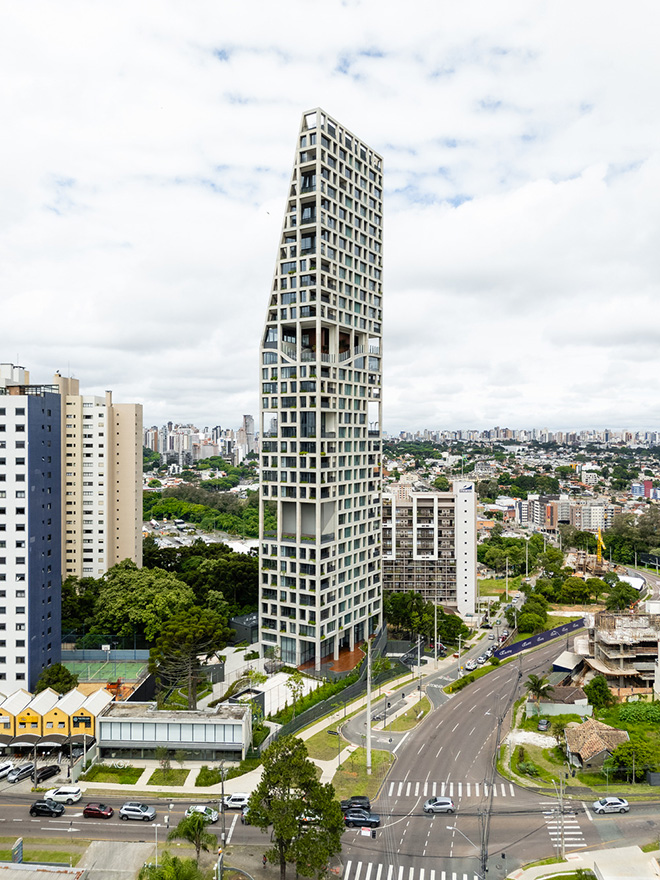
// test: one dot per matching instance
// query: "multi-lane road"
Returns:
(451, 753)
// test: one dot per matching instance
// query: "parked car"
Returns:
(361, 801)
(470, 665)
(209, 814)
(46, 808)
(610, 805)
(482, 659)
(491, 635)
(133, 810)
(439, 805)
(46, 771)
(543, 724)
(235, 801)
(355, 817)
(66, 794)
(5, 768)
(98, 811)
(20, 772)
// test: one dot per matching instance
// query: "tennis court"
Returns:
(106, 670)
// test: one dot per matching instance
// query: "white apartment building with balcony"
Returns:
(320, 414)
(430, 544)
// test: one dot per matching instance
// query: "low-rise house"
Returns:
(589, 744)
(561, 701)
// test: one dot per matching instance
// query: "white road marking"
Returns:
(408, 789)
(472, 731)
(513, 791)
(357, 871)
(421, 874)
(400, 743)
(378, 872)
(460, 789)
(391, 789)
(368, 874)
(389, 872)
(468, 789)
(416, 789)
(435, 788)
(400, 872)
(398, 793)
(349, 864)
(411, 873)
(231, 830)
(426, 788)
(420, 748)
(588, 812)
(442, 789)
(476, 789)
(438, 752)
(454, 728)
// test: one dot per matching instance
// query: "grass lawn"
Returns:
(104, 773)
(168, 777)
(323, 746)
(497, 586)
(410, 718)
(45, 849)
(351, 778)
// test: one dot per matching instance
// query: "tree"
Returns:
(295, 684)
(58, 678)
(171, 868)
(621, 597)
(188, 638)
(538, 686)
(442, 484)
(637, 753)
(598, 692)
(529, 622)
(193, 829)
(288, 790)
(133, 600)
(574, 590)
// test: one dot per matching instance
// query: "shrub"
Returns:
(640, 713)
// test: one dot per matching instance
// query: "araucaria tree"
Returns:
(187, 639)
(306, 818)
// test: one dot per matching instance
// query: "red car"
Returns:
(98, 811)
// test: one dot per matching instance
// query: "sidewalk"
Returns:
(249, 781)
(626, 862)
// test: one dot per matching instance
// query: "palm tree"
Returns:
(538, 686)
(193, 829)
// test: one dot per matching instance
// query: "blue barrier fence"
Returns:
(547, 636)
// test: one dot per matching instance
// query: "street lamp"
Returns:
(336, 733)
(156, 827)
(478, 849)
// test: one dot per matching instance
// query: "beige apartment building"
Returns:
(101, 481)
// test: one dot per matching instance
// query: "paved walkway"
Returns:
(625, 862)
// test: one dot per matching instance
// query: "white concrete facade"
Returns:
(430, 544)
(320, 414)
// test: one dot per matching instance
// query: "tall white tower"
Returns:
(320, 414)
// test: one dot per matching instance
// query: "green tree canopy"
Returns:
(133, 599)
(188, 637)
(171, 868)
(442, 484)
(538, 686)
(58, 678)
(288, 791)
(598, 693)
(621, 596)
(193, 829)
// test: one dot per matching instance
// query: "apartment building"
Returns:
(430, 544)
(30, 528)
(320, 412)
(102, 481)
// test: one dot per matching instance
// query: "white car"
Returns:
(66, 794)
(610, 805)
(5, 768)
(470, 665)
(209, 814)
(235, 801)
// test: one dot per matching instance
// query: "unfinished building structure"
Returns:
(623, 646)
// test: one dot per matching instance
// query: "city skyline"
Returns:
(142, 193)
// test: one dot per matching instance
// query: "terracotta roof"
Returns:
(564, 695)
(592, 737)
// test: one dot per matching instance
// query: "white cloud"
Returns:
(146, 155)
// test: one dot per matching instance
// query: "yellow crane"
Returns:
(600, 546)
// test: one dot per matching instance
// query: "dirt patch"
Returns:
(517, 737)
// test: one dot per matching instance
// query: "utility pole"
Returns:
(368, 707)
(222, 804)
(419, 665)
(435, 630)
(527, 558)
(458, 671)
(507, 579)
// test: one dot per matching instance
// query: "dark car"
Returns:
(98, 811)
(361, 817)
(46, 808)
(361, 801)
(45, 772)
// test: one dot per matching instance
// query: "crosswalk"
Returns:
(573, 835)
(449, 789)
(355, 870)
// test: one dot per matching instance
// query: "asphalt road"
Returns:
(451, 753)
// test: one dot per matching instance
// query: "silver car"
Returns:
(132, 810)
(439, 805)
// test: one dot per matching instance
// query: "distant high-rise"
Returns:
(30, 527)
(102, 481)
(320, 414)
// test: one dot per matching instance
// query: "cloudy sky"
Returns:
(146, 149)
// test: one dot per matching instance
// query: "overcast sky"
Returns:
(146, 151)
